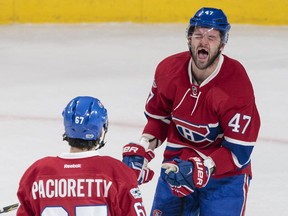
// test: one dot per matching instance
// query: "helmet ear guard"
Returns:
(85, 118)
(212, 18)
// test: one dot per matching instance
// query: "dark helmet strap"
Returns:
(101, 141)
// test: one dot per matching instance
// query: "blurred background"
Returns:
(264, 12)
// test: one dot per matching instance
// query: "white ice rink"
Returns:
(42, 67)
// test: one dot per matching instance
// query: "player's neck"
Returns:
(77, 150)
(199, 75)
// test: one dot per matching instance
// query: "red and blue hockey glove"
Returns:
(184, 177)
(137, 158)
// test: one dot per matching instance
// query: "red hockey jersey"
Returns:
(76, 184)
(219, 118)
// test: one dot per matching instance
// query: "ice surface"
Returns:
(44, 66)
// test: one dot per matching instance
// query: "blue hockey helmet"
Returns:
(84, 118)
(210, 18)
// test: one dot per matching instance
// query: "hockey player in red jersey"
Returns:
(80, 182)
(202, 104)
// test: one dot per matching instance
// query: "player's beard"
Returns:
(211, 58)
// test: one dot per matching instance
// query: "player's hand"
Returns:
(137, 158)
(184, 176)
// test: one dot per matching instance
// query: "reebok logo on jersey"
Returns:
(72, 166)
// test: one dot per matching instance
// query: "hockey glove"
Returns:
(184, 176)
(137, 158)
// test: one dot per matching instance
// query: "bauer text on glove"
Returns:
(137, 158)
(184, 176)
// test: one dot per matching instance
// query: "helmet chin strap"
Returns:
(101, 140)
(64, 136)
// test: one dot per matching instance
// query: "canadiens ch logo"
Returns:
(196, 133)
(157, 212)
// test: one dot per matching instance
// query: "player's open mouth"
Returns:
(202, 54)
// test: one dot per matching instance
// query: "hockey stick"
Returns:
(9, 208)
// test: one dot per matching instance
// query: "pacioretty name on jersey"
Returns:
(50, 188)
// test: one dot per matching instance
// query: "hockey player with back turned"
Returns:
(202, 104)
(81, 182)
